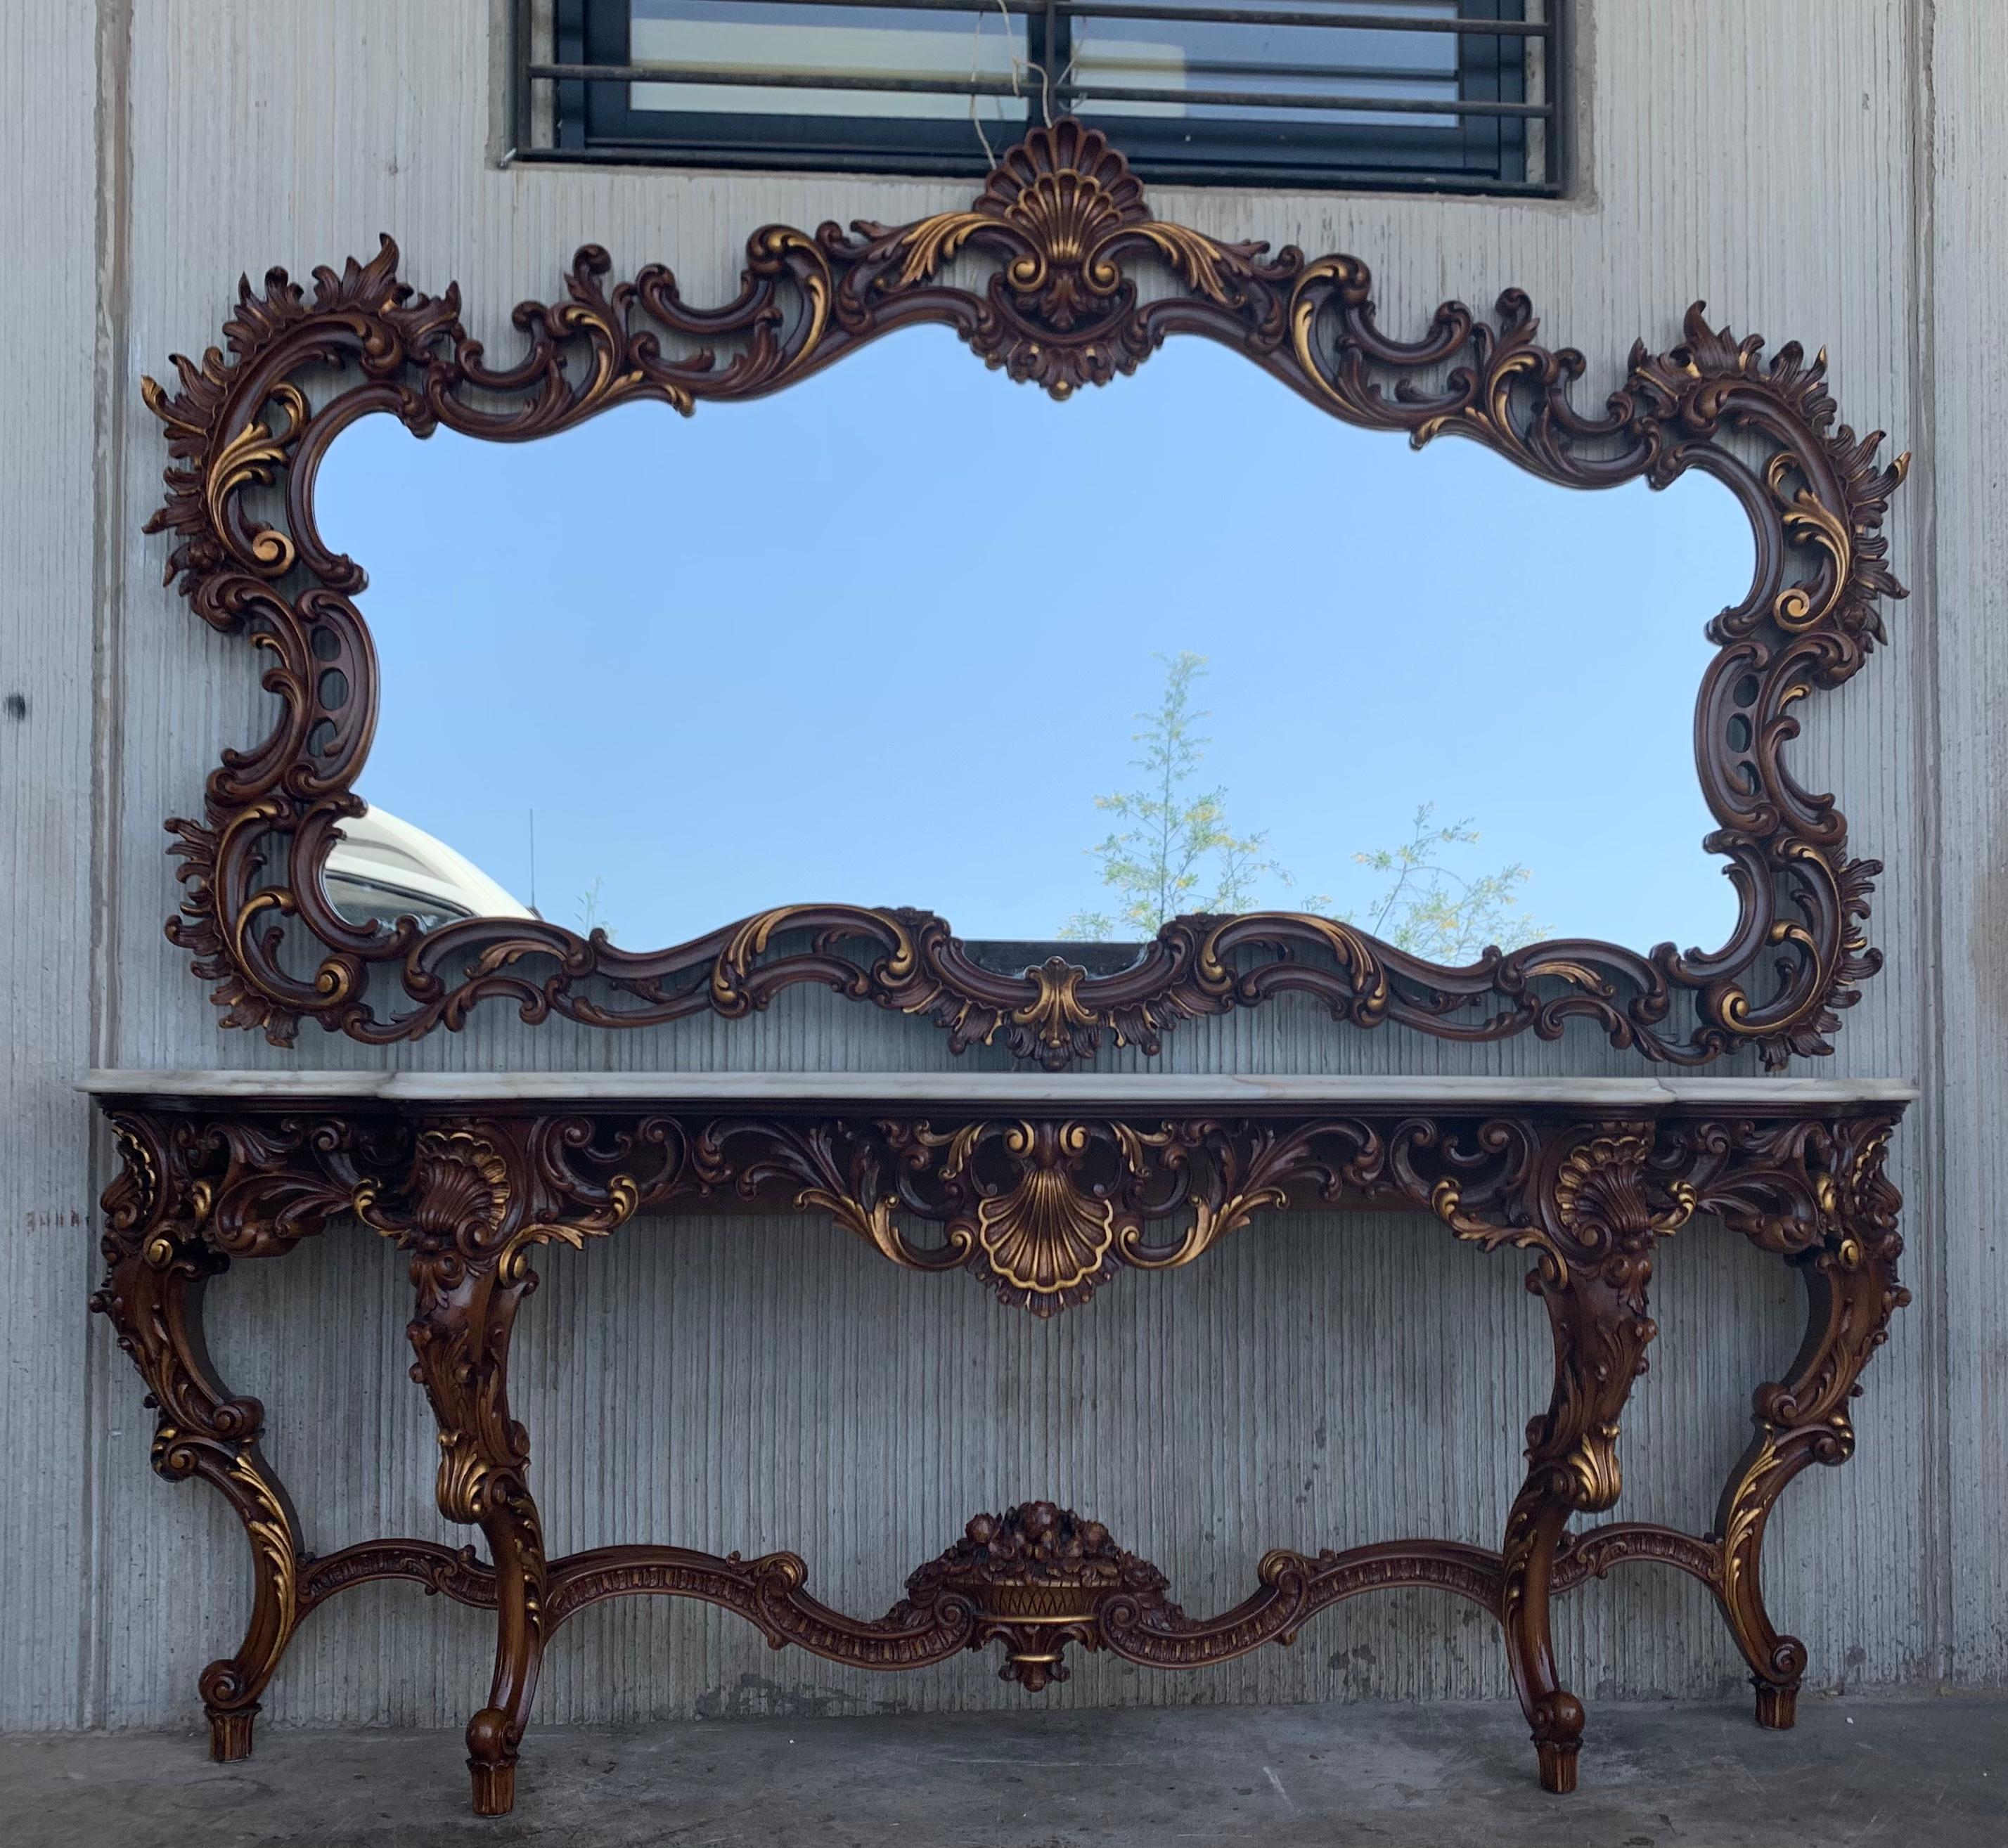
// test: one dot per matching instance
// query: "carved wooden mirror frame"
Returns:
(1065, 225)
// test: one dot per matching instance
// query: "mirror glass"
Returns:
(908, 633)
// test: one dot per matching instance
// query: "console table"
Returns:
(1043, 1187)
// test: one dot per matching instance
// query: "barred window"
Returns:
(1454, 95)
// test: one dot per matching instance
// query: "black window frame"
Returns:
(586, 83)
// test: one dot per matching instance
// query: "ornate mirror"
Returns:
(1172, 696)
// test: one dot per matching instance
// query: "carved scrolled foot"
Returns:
(491, 1761)
(1558, 1735)
(1558, 1762)
(1777, 1707)
(230, 1702)
(230, 1733)
(1777, 1681)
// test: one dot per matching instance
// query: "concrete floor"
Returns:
(1927, 1771)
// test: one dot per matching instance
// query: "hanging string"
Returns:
(975, 70)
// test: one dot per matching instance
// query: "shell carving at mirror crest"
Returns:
(1067, 228)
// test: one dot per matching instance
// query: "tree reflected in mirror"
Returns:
(908, 635)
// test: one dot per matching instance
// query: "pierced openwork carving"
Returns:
(1040, 1207)
(1045, 1210)
(1036, 1578)
(1071, 235)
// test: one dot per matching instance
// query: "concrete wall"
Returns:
(1813, 171)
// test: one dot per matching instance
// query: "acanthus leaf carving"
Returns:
(470, 1197)
(1069, 235)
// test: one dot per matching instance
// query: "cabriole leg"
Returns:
(152, 1296)
(1851, 1292)
(472, 1273)
(1594, 1269)
(461, 1337)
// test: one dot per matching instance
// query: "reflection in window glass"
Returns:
(740, 39)
(1450, 93)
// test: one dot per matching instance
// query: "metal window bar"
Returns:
(1001, 87)
(1051, 83)
(1171, 12)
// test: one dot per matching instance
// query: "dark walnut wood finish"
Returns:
(1069, 244)
(1043, 1208)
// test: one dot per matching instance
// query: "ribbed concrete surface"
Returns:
(1833, 173)
(1856, 1773)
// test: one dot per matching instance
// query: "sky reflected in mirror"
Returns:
(907, 633)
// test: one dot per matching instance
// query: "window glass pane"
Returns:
(1261, 59)
(742, 38)
(1264, 91)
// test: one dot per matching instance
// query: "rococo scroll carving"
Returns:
(1066, 226)
(1604, 1205)
(1852, 1292)
(1043, 1209)
(470, 1198)
(173, 1213)
(1047, 1209)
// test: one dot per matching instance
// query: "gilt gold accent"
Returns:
(1749, 1507)
(872, 1223)
(269, 1527)
(252, 459)
(1044, 1208)
(1209, 1224)
(1046, 1237)
(1056, 1015)
(1065, 234)
(1600, 1192)
(1597, 1478)
(1446, 1201)
(1564, 970)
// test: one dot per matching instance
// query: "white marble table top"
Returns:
(1147, 1091)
